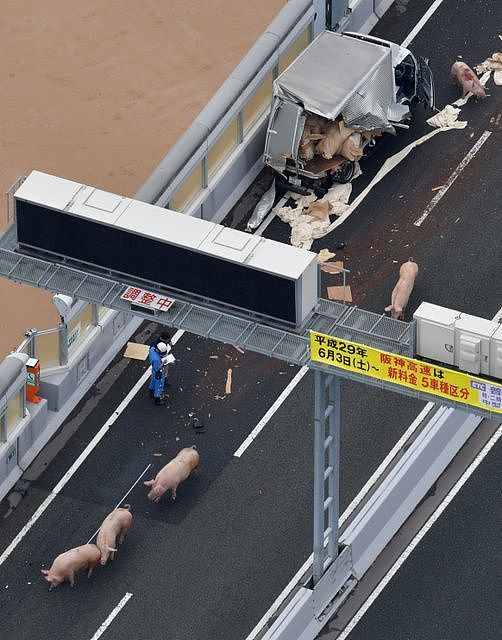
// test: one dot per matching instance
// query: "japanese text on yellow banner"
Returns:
(407, 372)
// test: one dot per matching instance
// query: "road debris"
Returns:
(333, 267)
(136, 351)
(494, 63)
(304, 219)
(324, 255)
(447, 118)
(264, 205)
(340, 293)
(195, 423)
(228, 385)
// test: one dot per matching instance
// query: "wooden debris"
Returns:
(136, 351)
(214, 357)
(157, 455)
(332, 267)
(228, 386)
(324, 255)
(337, 293)
(239, 349)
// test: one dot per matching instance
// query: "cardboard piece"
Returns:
(318, 209)
(332, 267)
(336, 293)
(324, 255)
(136, 351)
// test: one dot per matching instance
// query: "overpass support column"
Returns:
(326, 471)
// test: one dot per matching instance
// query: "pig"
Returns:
(401, 292)
(468, 80)
(115, 524)
(173, 474)
(66, 564)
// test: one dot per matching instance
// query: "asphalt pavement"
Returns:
(211, 563)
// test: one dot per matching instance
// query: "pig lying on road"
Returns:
(467, 79)
(401, 292)
(65, 565)
(173, 474)
(115, 524)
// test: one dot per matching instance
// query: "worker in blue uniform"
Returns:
(167, 338)
(156, 386)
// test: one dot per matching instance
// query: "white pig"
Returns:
(467, 79)
(115, 524)
(68, 563)
(401, 292)
(173, 474)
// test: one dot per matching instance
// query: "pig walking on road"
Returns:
(68, 563)
(401, 292)
(468, 80)
(173, 474)
(115, 524)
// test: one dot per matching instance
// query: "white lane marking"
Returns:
(418, 27)
(409, 549)
(112, 615)
(80, 460)
(271, 411)
(386, 461)
(346, 514)
(123, 498)
(470, 155)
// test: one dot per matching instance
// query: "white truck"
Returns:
(334, 101)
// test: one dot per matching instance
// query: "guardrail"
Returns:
(71, 356)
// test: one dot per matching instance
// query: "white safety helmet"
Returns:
(162, 347)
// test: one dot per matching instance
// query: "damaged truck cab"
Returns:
(334, 101)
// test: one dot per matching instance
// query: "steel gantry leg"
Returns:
(326, 471)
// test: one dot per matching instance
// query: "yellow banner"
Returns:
(406, 372)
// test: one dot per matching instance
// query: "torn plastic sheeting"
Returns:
(337, 197)
(306, 228)
(494, 63)
(264, 205)
(447, 118)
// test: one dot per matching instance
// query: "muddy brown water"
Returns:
(98, 92)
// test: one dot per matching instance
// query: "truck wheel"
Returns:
(345, 173)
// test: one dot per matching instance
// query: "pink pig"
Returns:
(115, 524)
(65, 565)
(173, 474)
(401, 292)
(467, 79)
